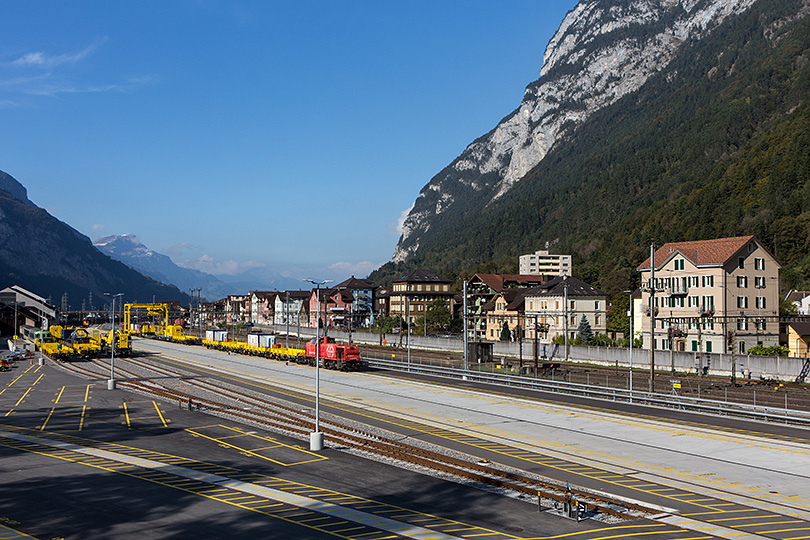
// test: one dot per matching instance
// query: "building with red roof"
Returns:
(710, 296)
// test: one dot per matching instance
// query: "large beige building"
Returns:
(560, 304)
(544, 263)
(411, 295)
(710, 295)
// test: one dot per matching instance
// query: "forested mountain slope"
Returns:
(715, 144)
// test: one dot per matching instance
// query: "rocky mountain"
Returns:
(602, 51)
(50, 258)
(128, 249)
(651, 122)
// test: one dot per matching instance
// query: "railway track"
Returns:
(212, 397)
(766, 393)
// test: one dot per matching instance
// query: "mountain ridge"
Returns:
(50, 258)
(716, 144)
(596, 39)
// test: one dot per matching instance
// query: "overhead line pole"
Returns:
(652, 317)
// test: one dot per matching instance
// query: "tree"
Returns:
(585, 332)
(775, 350)
(787, 307)
(506, 335)
(438, 315)
(386, 325)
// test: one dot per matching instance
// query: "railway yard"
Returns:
(199, 443)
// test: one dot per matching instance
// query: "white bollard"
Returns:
(316, 441)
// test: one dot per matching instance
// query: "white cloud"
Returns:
(40, 59)
(99, 227)
(41, 74)
(54, 89)
(206, 263)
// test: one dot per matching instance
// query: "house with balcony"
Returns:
(382, 297)
(481, 290)
(557, 307)
(292, 308)
(505, 308)
(331, 305)
(236, 308)
(262, 306)
(361, 311)
(710, 295)
(213, 313)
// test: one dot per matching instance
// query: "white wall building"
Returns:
(544, 263)
(560, 304)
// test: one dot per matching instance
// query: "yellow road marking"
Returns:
(160, 414)
(126, 414)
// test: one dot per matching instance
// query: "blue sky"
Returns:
(231, 135)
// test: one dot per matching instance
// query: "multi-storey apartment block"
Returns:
(710, 295)
(544, 263)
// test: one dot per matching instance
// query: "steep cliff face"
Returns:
(602, 51)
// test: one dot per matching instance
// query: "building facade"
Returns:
(711, 296)
(544, 263)
(262, 306)
(505, 308)
(411, 295)
(557, 307)
(361, 312)
(798, 339)
(292, 308)
(481, 290)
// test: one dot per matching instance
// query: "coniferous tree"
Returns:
(506, 335)
(585, 332)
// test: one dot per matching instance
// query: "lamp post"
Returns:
(111, 382)
(316, 437)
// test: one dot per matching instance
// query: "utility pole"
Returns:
(199, 309)
(536, 332)
(731, 335)
(465, 329)
(652, 317)
(630, 316)
(671, 334)
(700, 347)
(565, 312)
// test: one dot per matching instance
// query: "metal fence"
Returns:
(669, 401)
(747, 366)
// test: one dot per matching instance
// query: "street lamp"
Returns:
(111, 382)
(316, 437)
